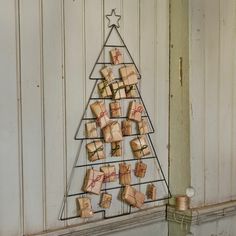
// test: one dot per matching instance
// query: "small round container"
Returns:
(181, 203)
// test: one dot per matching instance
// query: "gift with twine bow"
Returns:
(125, 174)
(129, 75)
(139, 147)
(104, 89)
(151, 192)
(116, 56)
(143, 126)
(99, 110)
(115, 109)
(109, 173)
(140, 169)
(131, 91)
(84, 207)
(133, 197)
(126, 127)
(135, 111)
(107, 74)
(118, 90)
(116, 149)
(95, 150)
(91, 130)
(105, 200)
(93, 181)
(112, 132)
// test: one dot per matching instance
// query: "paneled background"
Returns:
(47, 51)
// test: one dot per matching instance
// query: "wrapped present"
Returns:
(93, 181)
(129, 75)
(109, 173)
(125, 174)
(91, 130)
(131, 91)
(133, 197)
(118, 90)
(140, 169)
(151, 192)
(112, 132)
(143, 126)
(104, 89)
(115, 109)
(139, 147)
(106, 200)
(116, 149)
(126, 127)
(95, 150)
(107, 74)
(99, 110)
(116, 56)
(84, 207)
(135, 111)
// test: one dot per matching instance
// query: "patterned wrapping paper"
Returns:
(139, 147)
(112, 132)
(107, 74)
(118, 90)
(104, 89)
(109, 173)
(116, 149)
(151, 192)
(143, 126)
(129, 75)
(135, 111)
(99, 110)
(126, 127)
(84, 207)
(115, 109)
(91, 130)
(133, 197)
(116, 56)
(105, 200)
(131, 91)
(93, 181)
(95, 150)
(125, 174)
(140, 169)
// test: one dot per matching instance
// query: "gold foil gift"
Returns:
(143, 126)
(125, 174)
(84, 207)
(126, 127)
(95, 150)
(91, 130)
(139, 147)
(112, 132)
(131, 91)
(115, 109)
(104, 89)
(118, 90)
(116, 56)
(135, 111)
(116, 149)
(129, 75)
(106, 200)
(107, 74)
(151, 192)
(140, 169)
(109, 173)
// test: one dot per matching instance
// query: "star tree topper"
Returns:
(113, 19)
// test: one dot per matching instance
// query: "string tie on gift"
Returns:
(116, 56)
(115, 149)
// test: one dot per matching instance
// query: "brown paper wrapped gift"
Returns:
(151, 192)
(125, 174)
(140, 169)
(116, 149)
(116, 56)
(143, 126)
(135, 111)
(104, 89)
(99, 110)
(84, 207)
(107, 74)
(118, 90)
(129, 75)
(112, 132)
(95, 150)
(106, 200)
(91, 130)
(139, 147)
(109, 173)
(133, 197)
(126, 127)
(131, 91)
(93, 181)
(115, 109)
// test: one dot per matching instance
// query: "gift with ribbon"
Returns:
(135, 111)
(105, 200)
(124, 174)
(131, 91)
(140, 169)
(109, 173)
(116, 56)
(143, 126)
(104, 89)
(99, 110)
(133, 197)
(84, 207)
(126, 126)
(151, 192)
(95, 150)
(107, 74)
(129, 75)
(112, 132)
(91, 130)
(118, 90)
(115, 109)
(93, 181)
(116, 149)
(139, 147)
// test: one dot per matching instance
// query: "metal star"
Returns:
(113, 19)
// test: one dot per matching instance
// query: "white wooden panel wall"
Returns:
(212, 100)
(47, 51)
